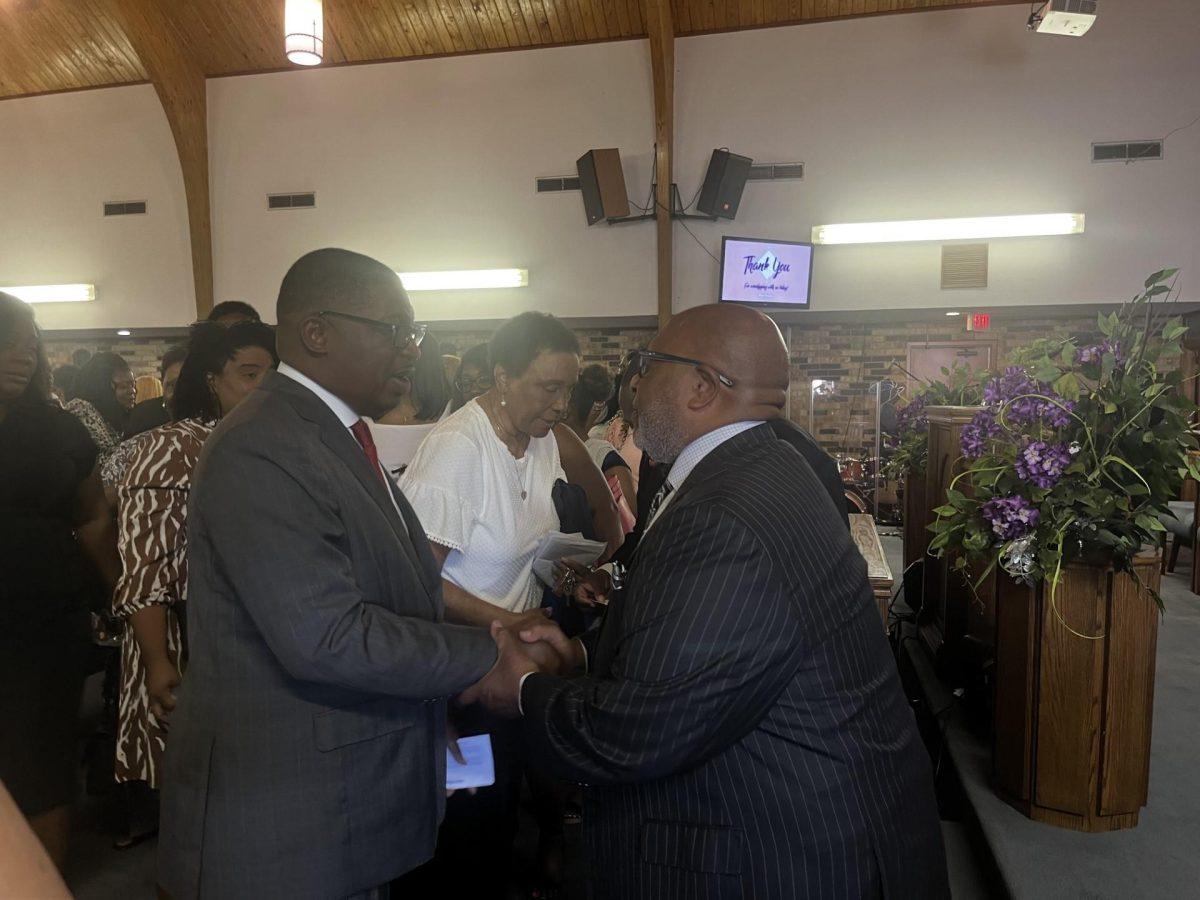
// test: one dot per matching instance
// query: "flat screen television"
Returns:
(769, 274)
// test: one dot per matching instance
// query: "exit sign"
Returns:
(979, 321)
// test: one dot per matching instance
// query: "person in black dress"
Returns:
(56, 535)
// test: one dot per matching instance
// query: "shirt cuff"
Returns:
(520, 689)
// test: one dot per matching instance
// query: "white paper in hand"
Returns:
(480, 770)
(557, 546)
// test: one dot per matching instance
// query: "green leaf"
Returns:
(1103, 324)
(1160, 275)
(1150, 523)
(945, 511)
(1068, 386)
(1110, 407)
(1108, 363)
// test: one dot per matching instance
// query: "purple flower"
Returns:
(975, 435)
(1095, 353)
(1026, 401)
(1010, 517)
(1042, 463)
(911, 417)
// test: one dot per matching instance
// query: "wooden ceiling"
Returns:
(59, 45)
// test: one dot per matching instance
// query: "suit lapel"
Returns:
(691, 491)
(338, 439)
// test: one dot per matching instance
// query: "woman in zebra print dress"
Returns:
(222, 367)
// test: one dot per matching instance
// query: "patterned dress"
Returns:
(105, 437)
(152, 509)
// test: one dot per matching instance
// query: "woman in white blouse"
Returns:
(482, 485)
(482, 481)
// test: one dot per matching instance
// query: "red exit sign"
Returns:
(979, 321)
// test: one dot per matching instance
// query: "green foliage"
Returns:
(1129, 431)
(908, 445)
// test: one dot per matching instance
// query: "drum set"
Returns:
(868, 490)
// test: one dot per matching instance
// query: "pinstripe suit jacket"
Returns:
(742, 730)
(306, 756)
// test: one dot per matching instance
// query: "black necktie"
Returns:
(659, 499)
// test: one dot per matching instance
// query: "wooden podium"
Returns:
(916, 518)
(1073, 715)
(944, 606)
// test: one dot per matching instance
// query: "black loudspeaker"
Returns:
(723, 184)
(602, 182)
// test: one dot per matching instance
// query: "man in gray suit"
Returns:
(307, 753)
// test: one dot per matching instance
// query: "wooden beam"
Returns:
(661, 30)
(179, 82)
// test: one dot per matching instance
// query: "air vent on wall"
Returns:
(125, 208)
(776, 171)
(291, 201)
(964, 266)
(565, 183)
(1127, 151)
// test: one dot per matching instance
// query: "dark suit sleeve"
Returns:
(708, 642)
(299, 586)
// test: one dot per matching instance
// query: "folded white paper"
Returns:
(558, 546)
(480, 770)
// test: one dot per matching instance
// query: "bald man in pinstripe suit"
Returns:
(740, 726)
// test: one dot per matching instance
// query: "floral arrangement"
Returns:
(1076, 453)
(907, 445)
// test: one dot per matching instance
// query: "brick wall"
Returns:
(852, 355)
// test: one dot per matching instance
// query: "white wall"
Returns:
(431, 164)
(952, 113)
(61, 157)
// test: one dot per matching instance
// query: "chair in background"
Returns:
(1181, 531)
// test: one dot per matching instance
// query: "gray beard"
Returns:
(660, 433)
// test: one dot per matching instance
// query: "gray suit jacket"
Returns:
(306, 756)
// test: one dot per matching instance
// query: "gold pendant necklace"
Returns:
(516, 470)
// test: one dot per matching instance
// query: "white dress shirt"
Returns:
(345, 415)
(691, 456)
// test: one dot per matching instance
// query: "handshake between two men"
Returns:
(533, 643)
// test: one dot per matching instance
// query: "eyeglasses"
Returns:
(402, 335)
(640, 361)
(482, 383)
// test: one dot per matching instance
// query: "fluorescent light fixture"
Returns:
(124, 332)
(954, 314)
(304, 32)
(949, 229)
(465, 280)
(53, 293)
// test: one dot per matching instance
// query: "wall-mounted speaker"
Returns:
(723, 184)
(602, 182)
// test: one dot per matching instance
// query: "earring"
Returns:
(503, 402)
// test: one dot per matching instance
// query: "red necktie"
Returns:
(362, 433)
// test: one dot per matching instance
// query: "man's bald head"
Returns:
(678, 403)
(740, 343)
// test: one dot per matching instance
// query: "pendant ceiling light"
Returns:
(304, 32)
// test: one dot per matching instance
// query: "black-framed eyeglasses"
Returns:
(640, 361)
(482, 383)
(402, 335)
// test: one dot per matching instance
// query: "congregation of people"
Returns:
(307, 620)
